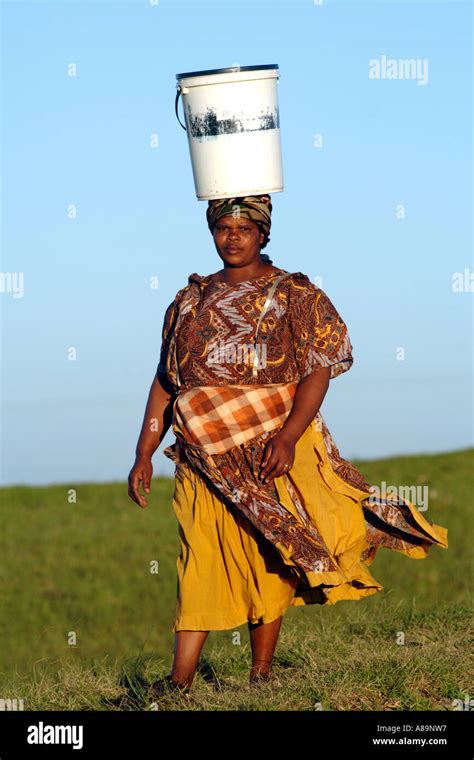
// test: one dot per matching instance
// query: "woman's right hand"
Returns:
(141, 471)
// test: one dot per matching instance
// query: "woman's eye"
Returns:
(225, 229)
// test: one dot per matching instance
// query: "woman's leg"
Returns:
(263, 640)
(187, 650)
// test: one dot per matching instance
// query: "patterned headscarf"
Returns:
(258, 208)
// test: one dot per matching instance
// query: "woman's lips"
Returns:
(232, 248)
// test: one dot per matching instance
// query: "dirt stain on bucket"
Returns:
(208, 125)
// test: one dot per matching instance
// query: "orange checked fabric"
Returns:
(217, 418)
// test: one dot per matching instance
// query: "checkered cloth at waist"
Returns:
(219, 417)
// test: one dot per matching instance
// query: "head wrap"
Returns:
(258, 208)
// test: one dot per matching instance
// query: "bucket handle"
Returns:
(180, 90)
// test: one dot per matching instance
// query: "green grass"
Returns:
(82, 567)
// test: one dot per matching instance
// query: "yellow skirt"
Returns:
(229, 573)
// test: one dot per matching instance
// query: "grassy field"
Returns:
(81, 613)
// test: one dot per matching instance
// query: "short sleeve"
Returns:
(320, 337)
(169, 321)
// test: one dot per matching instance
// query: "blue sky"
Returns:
(85, 140)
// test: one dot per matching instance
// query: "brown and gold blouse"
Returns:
(223, 336)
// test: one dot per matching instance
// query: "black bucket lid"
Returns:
(225, 71)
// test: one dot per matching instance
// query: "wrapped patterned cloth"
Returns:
(219, 418)
(249, 550)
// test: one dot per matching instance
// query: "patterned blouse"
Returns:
(216, 343)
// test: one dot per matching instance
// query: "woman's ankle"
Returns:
(181, 678)
(260, 668)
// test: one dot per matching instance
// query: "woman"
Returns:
(270, 515)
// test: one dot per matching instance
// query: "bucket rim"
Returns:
(228, 70)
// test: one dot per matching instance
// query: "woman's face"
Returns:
(237, 239)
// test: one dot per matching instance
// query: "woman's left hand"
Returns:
(278, 452)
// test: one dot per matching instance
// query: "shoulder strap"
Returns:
(268, 301)
(266, 305)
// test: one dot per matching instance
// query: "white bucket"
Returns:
(233, 125)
